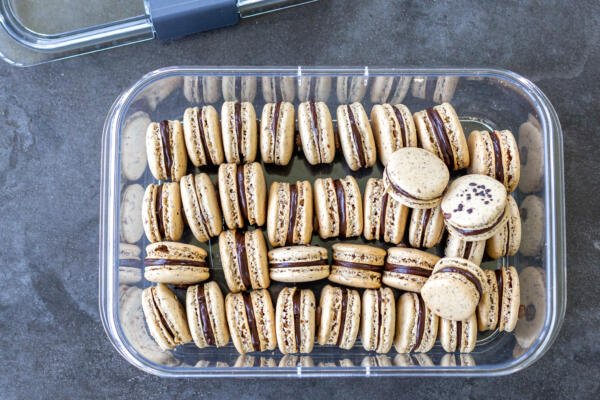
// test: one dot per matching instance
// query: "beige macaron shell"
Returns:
(347, 139)
(211, 129)
(154, 150)
(176, 274)
(228, 195)
(358, 253)
(457, 247)
(508, 239)
(395, 218)
(483, 156)
(277, 138)
(172, 313)
(299, 254)
(321, 150)
(132, 226)
(354, 209)
(426, 227)
(511, 300)
(249, 132)
(201, 206)
(487, 309)
(387, 129)
(531, 153)
(256, 193)
(216, 312)
(279, 214)
(329, 324)
(406, 256)
(285, 322)
(133, 146)
(171, 212)
(375, 337)
(407, 310)
(449, 335)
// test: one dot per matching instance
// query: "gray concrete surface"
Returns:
(52, 344)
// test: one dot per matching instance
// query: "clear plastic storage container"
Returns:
(483, 98)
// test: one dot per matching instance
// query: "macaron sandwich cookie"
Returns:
(290, 213)
(500, 308)
(277, 133)
(384, 217)
(416, 177)
(458, 247)
(408, 269)
(458, 336)
(441, 133)
(165, 147)
(251, 321)
(206, 315)
(161, 212)
(202, 133)
(244, 259)
(295, 320)
(238, 127)
(378, 319)
(454, 288)
(416, 325)
(475, 207)
(426, 227)
(393, 128)
(495, 154)
(338, 207)
(175, 263)
(201, 206)
(508, 239)
(243, 194)
(316, 132)
(340, 317)
(298, 264)
(165, 317)
(356, 136)
(357, 265)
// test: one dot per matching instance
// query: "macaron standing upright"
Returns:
(408, 269)
(201, 206)
(277, 133)
(165, 148)
(316, 132)
(340, 317)
(243, 194)
(238, 127)
(500, 308)
(416, 325)
(295, 320)
(244, 260)
(314, 88)
(175, 263)
(426, 227)
(338, 207)
(384, 217)
(205, 311)
(133, 145)
(458, 336)
(202, 133)
(393, 128)
(357, 265)
(458, 247)
(378, 319)
(356, 136)
(278, 88)
(239, 88)
(508, 239)
(389, 89)
(298, 264)
(290, 213)
(161, 212)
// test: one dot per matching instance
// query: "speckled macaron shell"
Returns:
(415, 177)
(335, 219)
(511, 299)
(441, 133)
(340, 317)
(201, 89)
(298, 264)
(205, 309)
(416, 325)
(165, 148)
(282, 88)
(201, 206)
(351, 88)
(457, 247)
(356, 136)
(244, 259)
(531, 151)
(277, 133)
(458, 336)
(454, 288)
(251, 321)
(389, 89)
(357, 265)
(314, 88)
(487, 310)
(393, 128)
(133, 145)
(533, 299)
(175, 263)
(508, 239)
(165, 317)
(239, 88)
(426, 227)
(378, 319)
(161, 212)
(242, 203)
(316, 132)
(384, 217)
(290, 213)
(238, 127)
(132, 226)
(408, 269)
(202, 132)
(295, 320)
(475, 207)
(532, 226)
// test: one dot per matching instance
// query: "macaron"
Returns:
(244, 260)
(357, 265)
(350, 89)
(338, 207)
(165, 317)
(290, 213)
(316, 132)
(133, 146)
(243, 194)
(238, 127)
(132, 226)
(202, 133)
(316, 88)
(531, 153)
(458, 247)
(295, 320)
(340, 317)
(239, 88)
(251, 321)
(298, 264)
(277, 133)
(426, 227)
(205, 311)
(416, 325)
(533, 305)
(439, 90)
(393, 128)
(130, 264)
(475, 207)
(408, 269)
(458, 336)
(165, 148)
(175, 263)
(441, 133)
(378, 319)
(201, 89)
(532, 226)
(161, 212)
(278, 88)
(500, 309)
(415, 177)
(201, 206)
(384, 217)
(389, 89)
(454, 288)
(508, 239)
(356, 136)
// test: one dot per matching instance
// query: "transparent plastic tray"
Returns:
(483, 98)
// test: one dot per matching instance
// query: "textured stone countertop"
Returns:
(52, 344)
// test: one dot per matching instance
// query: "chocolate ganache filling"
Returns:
(161, 316)
(202, 133)
(497, 156)
(343, 306)
(425, 217)
(405, 269)
(467, 274)
(355, 265)
(341, 200)
(242, 258)
(237, 116)
(473, 232)
(314, 127)
(251, 321)
(150, 262)
(204, 317)
(382, 211)
(241, 191)
(356, 138)
(158, 208)
(458, 336)
(292, 222)
(296, 306)
(165, 138)
(295, 264)
(402, 126)
(274, 124)
(420, 323)
(441, 135)
(379, 318)
(500, 283)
